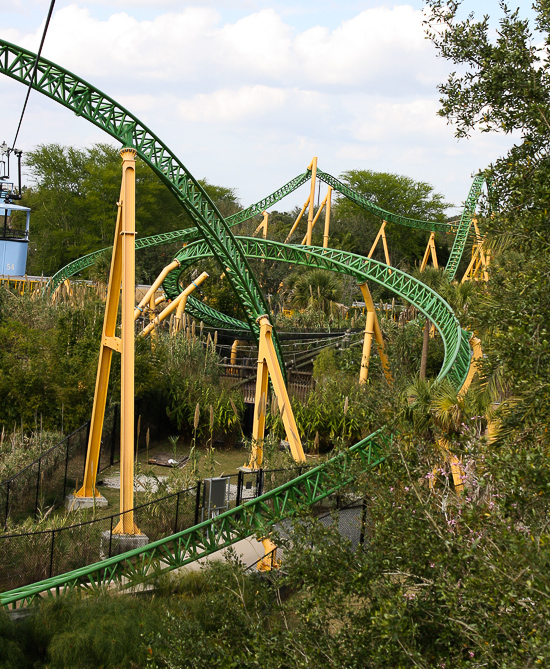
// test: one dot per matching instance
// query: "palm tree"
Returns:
(316, 288)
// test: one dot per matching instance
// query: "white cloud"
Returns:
(248, 102)
(378, 46)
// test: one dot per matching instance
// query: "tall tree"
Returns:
(392, 192)
(73, 195)
(504, 86)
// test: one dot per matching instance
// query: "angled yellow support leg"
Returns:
(297, 221)
(430, 250)
(381, 236)
(268, 364)
(180, 299)
(372, 328)
(154, 287)
(476, 357)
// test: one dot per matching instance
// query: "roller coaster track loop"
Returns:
(218, 241)
(87, 101)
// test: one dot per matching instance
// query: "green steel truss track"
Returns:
(182, 236)
(218, 241)
(464, 226)
(212, 535)
(455, 340)
(87, 101)
(365, 203)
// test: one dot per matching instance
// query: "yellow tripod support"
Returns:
(372, 329)
(310, 202)
(479, 264)
(430, 251)
(325, 203)
(263, 225)
(268, 364)
(381, 236)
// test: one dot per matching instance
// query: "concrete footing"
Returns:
(115, 544)
(72, 502)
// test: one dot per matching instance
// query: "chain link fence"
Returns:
(30, 557)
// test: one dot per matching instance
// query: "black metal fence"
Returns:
(350, 521)
(30, 557)
(56, 473)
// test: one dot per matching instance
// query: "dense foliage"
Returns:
(48, 365)
(73, 198)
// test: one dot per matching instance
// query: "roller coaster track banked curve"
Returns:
(303, 491)
(462, 229)
(455, 340)
(87, 101)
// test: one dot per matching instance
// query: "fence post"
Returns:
(66, 469)
(260, 482)
(37, 488)
(51, 554)
(113, 434)
(111, 536)
(240, 483)
(7, 504)
(177, 510)
(197, 503)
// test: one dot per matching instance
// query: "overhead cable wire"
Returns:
(35, 67)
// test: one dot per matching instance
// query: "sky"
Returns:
(246, 92)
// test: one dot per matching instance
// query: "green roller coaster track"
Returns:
(87, 101)
(218, 241)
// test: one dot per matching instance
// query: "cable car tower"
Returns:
(14, 238)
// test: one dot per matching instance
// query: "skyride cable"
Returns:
(50, 12)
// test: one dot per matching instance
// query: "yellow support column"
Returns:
(268, 364)
(372, 328)
(127, 233)
(327, 217)
(313, 168)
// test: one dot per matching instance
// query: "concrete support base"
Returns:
(115, 544)
(72, 502)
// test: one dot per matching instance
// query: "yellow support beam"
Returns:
(180, 299)
(127, 248)
(328, 200)
(268, 364)
(372, 329)
(313, 168)
(156, 285)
